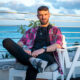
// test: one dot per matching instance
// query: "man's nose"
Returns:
(43, 17)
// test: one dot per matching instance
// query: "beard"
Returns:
(44, 22)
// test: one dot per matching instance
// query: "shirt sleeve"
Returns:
(59, 37)
(25, 37)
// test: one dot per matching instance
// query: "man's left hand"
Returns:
(37, 52)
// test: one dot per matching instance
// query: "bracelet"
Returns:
(45, 48)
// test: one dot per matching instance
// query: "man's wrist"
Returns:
(45, 49)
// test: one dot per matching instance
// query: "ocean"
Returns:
(19, 35)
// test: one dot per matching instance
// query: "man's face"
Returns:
(43, 16)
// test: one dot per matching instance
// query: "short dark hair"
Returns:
(45, 8)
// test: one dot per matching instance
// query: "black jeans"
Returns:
(15, 50)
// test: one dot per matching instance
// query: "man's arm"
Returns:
(53, 47)
(25, 49)
(20, 43)
(58, 41)
(50, 48)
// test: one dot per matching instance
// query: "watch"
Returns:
(45, 48)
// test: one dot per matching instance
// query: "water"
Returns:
(19, 35)
(71, 29)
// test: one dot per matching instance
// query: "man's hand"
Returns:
(27, 51)
(20, 44)
(37, 52)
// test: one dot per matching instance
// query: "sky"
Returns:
(71, 7)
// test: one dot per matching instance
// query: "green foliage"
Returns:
(76, 43)
(34, 23)
(3, 56)
(22, 29)
(7, 56)
(53, 24)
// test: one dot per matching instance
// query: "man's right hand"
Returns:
(27, 51)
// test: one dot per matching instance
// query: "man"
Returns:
(41, 42)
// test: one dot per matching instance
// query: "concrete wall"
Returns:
(4, 75)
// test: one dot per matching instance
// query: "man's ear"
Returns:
(49, 14)
(37, 16)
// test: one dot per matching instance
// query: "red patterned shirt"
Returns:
(54, 35)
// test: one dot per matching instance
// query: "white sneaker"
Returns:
(39, 64)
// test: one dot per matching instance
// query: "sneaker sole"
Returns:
(42, 65)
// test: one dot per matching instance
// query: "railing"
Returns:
(54, 21)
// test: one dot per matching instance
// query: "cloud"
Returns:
(32, 5)
(8, 15)
(27, 3)
(55, 6)
(68, 0)
(6, 9)
(68, 4)
(5, 1)
(77, 11)
(22, 5)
